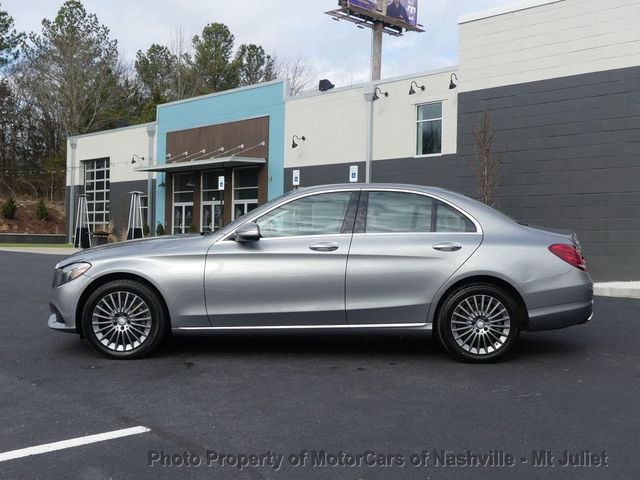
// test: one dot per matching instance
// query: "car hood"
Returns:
(141, 248)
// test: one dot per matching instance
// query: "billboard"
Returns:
(396, 12)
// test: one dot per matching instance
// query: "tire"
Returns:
(124, 319)
(479, 323)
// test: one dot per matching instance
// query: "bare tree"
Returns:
(486, 161)
(183, 78)
(299, 72)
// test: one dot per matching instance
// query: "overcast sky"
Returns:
(338, 51)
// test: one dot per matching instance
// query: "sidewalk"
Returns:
(617, 289)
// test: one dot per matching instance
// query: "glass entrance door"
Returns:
(183, 191)
(211, 218)
(182, 217)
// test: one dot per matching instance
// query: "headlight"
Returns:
(68, 273)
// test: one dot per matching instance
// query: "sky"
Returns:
(337, 50)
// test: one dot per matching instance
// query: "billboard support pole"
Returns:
(376, 51)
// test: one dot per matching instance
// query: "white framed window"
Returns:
(96, 188)
(144, 207)
(245, 190)
(429, 129)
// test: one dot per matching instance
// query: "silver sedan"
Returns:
(376, 257)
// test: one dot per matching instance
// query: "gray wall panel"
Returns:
(570, 158)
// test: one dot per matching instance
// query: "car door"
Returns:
(294, 275)
(405, 246)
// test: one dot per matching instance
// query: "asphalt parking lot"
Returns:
(288, 399)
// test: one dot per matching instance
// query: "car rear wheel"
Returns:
(479, 323)
(124, 319)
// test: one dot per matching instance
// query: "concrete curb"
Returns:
(617, 289)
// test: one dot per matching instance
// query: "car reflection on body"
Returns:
(375, 257)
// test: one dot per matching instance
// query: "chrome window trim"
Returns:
(367, 189)
(430, 195)
(289, 200)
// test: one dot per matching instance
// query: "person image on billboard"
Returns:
(395, 9)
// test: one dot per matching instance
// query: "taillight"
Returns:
(570, 254)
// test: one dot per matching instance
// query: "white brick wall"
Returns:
(555, 39)
(119, 145)
(335, 123)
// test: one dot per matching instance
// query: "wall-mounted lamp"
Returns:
(294, 144)
(412, 91)
(452, 84)
(375, 94)
(136, 158)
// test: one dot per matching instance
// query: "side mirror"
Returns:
(249, 232)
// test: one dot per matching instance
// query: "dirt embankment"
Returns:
(26, 220)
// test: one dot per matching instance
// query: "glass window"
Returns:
(429, 129)
(144, 208)
(210, 192)
(394, 212)
(184, 182)
(321, 214)
(246, 177)
(450, 220)
(97, 192)
(245, 191)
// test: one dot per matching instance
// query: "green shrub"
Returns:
(192, 228)
(41, 210)
(145, 230)
(9, 209)
(159, 230)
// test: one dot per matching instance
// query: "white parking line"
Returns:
(74, 442)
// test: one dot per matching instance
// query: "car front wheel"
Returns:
(124, 319)
(479, 323)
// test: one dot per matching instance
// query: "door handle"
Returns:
(324, 247)
(448, 246)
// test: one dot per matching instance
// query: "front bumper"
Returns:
(54, 323)
(63, 303)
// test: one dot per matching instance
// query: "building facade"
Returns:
(557, 81)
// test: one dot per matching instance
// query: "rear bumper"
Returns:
(561, 302)
(560, 316)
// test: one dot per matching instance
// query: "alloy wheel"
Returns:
(121, 321)
(480, 324)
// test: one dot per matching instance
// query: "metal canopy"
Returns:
(178, 166)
